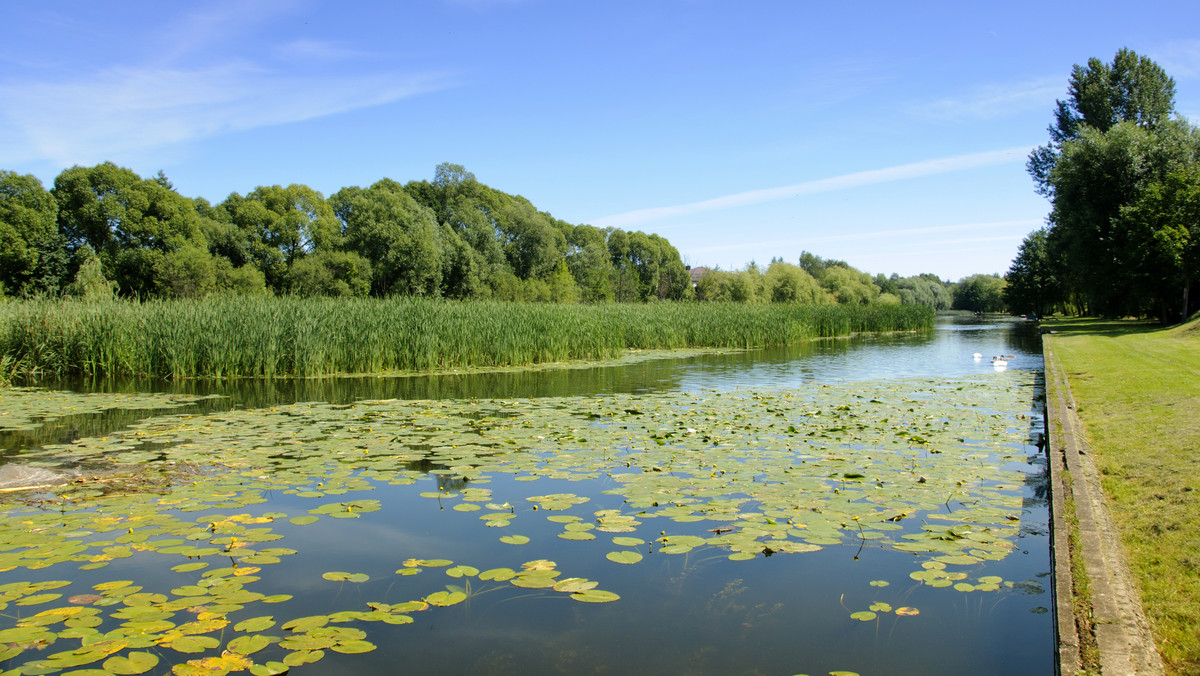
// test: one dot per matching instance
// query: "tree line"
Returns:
(1123, 179)
(104, 231)
(817, 281)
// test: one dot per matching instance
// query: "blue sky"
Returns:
(889, 136)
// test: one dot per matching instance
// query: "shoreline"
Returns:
(1105, 627)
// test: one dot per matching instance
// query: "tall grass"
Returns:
(268, 337)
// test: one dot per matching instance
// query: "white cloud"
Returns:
(1181, 58)
(317, 50)
(1019, 229)
(125, 109)
(898, 173)
(997, 100)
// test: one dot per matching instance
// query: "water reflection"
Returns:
(698, 614)
(946, 352)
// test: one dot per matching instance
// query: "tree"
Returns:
(90, 282)
(588, 260)
(979, 293)
(399, 237)
(924, 289)
(28, 218)
(1096, 176)
(330, 273)
(281, 225)
(1032, 285)
(128, 221)
(1132, 89)
(1165, 220)
(849, 286)
(787, 283)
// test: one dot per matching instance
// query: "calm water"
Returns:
(695, 613)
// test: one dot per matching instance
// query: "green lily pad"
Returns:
(624, 556)
(595, 596)
(131, 663)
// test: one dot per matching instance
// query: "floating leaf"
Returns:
(255, 624)
(498, 574)
(574, 584)
(248, 645)
(132, 663)
(338, 576)
(354, 647)
(462, 571)
(907, 612)
(595, 596)
(514, 539)
(193, 644)
(863, 616)
(303, 624)
(624, 556)
(445, 598)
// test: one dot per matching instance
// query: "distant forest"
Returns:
(106, 231)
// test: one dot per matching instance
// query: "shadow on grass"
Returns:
(1092, 326)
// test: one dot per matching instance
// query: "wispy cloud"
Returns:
(1016, 228)
(126, 109)
(1180, 58)
(997, 100)
(201, 28)
(858, 179)
(317, 50)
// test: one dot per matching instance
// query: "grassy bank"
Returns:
(266, 337)
(1137, 389)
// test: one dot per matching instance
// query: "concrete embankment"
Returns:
(1103, 627)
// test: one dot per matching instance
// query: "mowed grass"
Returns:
(268, 337)
(1137, 388)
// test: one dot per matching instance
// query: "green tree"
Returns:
(1165, 221)
(787, 283)
(188, 272)
(129, 221)
(980, 293)
(281, 225)
(588, 260)
(90, 282)
(330, 273)
(849, 286)
(924, 289)
(1031, 283)
(398, 235)
(28, 217)
(1101, 95)
(1096, 176)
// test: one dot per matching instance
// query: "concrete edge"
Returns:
(1122, 633)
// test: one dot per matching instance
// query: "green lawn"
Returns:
(1137, 388)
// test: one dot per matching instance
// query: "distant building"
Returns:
(697, 273)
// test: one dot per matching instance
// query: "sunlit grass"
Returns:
(1137, 388)
(268, 337)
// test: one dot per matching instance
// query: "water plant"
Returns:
(203, 571)
(224, 337)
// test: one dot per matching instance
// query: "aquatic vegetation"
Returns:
(26, 408)
(221, 337)
(625, 481)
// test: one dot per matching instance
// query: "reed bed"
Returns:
(230, 337)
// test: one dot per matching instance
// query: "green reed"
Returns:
(224, 337)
